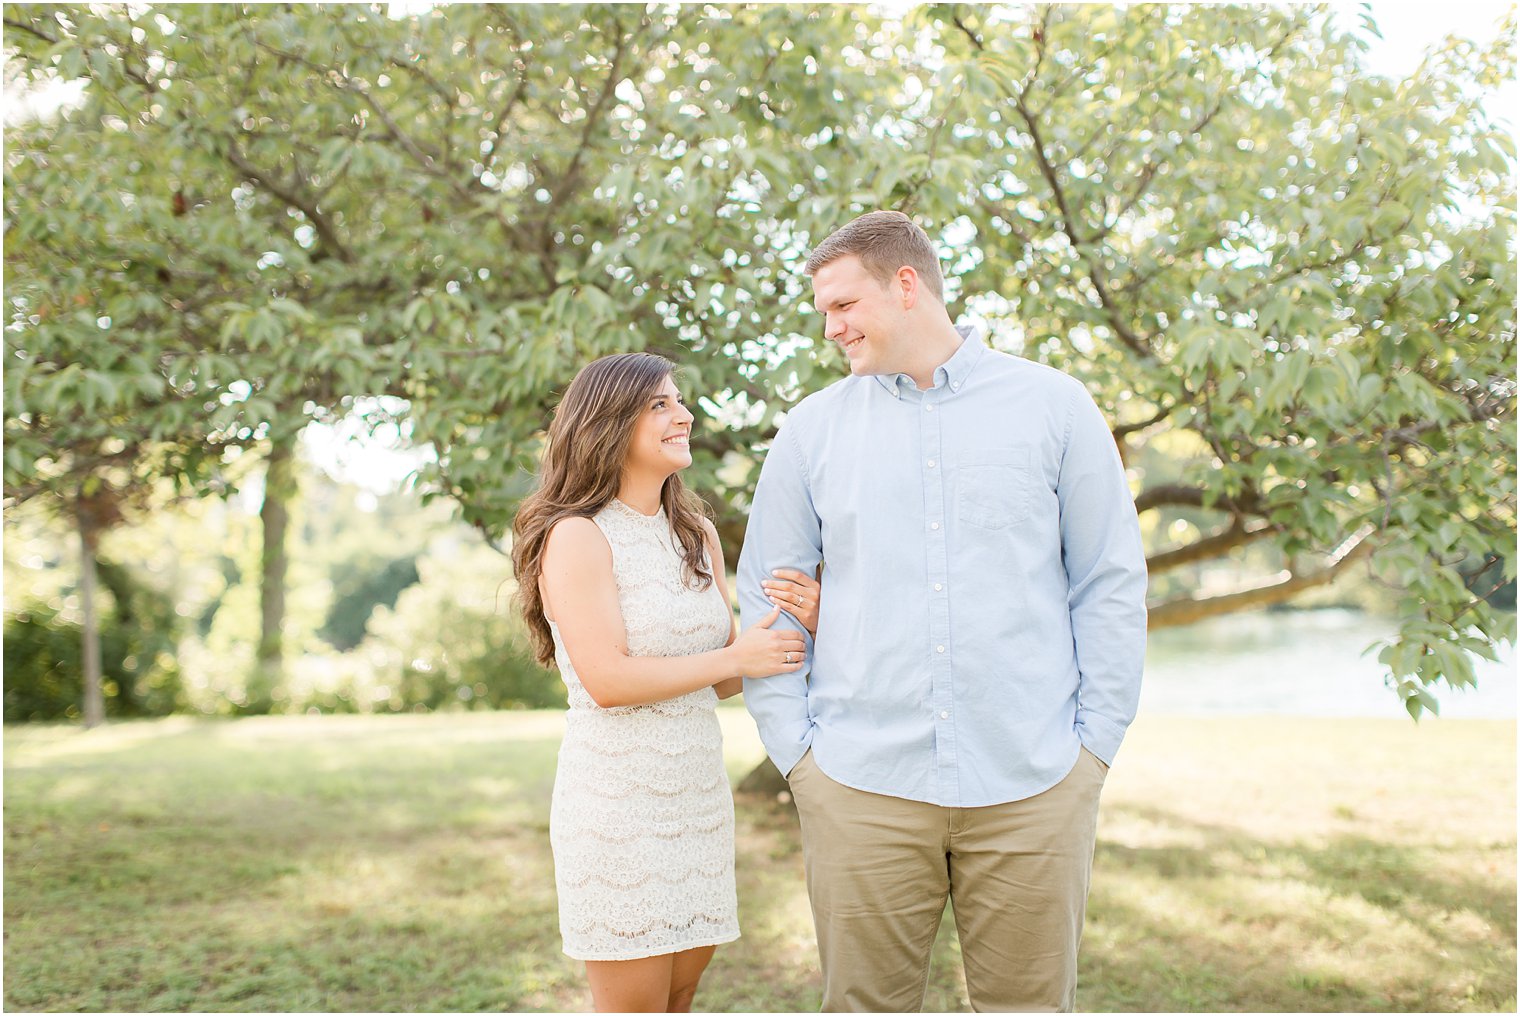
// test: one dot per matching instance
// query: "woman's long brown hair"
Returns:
(582, 469)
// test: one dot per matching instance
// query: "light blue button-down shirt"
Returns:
(983, 611)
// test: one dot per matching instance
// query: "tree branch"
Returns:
(990, 209)
(1238, 534)
(1148, 175)
(1186, 610)
(1078, 72)
(498, 126)
(1124, 430)
(1192, 497)
(25, 27)
(1069, 227)
(571, 178)
(290, 197)
(401, 137)
(927, 173)
(976, 40)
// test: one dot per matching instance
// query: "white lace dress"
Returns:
(642, 822)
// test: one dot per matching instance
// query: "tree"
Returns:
(177, 257)
(1289, 282)
(431, 227)
(1297, 277)
(91, 426)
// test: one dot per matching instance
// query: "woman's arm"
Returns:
(580, 594)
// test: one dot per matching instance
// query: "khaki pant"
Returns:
(879, 870)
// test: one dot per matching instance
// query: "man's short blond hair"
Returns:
(884, 242)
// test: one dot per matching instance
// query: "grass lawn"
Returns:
(402, 863)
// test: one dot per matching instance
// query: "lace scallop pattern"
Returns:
(642, 821)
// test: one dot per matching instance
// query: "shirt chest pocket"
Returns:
(994, 488)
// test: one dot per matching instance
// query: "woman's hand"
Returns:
(761, 652)
(797, 593)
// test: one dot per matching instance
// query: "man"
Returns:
(979, 644)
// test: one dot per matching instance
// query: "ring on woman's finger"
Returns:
(787, 657)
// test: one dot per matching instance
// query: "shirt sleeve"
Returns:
(1105, 570)
(784, 532)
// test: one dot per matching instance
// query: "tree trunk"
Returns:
(766, 780)
(274, 516)
(731, 537)
(94, 701)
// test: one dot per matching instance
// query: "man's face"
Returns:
(866, 318)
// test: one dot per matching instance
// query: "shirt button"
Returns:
(939, 649)
(938, 587)
(944, 714)
(934, 525)
(955, 384)
(931, 463)
(928, 408)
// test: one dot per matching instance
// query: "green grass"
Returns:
(402, 863)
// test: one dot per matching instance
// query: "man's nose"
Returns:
(833, 327)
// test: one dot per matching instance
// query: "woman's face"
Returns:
(661, 442)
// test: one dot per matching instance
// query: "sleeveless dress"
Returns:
(642, 819)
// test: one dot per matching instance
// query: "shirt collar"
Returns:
(952, 372)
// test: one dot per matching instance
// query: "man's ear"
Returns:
(907, 286)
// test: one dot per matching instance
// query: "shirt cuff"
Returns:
(1098, 735)
(787, 745)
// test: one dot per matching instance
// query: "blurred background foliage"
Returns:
(395, 606)
(1288, 281)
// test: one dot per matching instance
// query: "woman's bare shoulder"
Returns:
(577, 536)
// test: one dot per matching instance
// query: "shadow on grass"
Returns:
(1232, 923)
(1399, 878)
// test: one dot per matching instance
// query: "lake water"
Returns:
(1305, 663)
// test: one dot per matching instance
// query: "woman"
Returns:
(621, 581)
